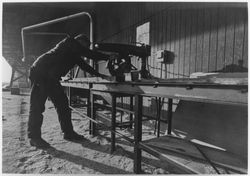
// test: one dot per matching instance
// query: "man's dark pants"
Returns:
(43, 87)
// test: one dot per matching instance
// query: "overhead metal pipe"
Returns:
(25, 29)
(47, 33)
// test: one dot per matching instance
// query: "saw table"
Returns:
(226, 88)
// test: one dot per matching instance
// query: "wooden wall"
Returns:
(204, 37)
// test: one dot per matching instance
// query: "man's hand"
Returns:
(105, 77)
(66, 78)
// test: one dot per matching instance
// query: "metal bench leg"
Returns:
(89, 105)
(159, 117)
(92, 124)
(89, 112)
(170, 112)
(138, 133)
(113, 122)
(131, 109)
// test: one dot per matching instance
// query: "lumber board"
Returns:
(168, 159)
(172, 145)
(199, 77)
(229, 88)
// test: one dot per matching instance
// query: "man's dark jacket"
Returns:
(63, 57)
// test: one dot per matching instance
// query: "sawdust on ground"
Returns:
(91, 156)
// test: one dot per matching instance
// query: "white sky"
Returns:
(6, 70)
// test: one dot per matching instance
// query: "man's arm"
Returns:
(94, 55)
(86, 67)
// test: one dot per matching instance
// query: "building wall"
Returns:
(203, 37)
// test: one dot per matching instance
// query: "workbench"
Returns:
(222, 88)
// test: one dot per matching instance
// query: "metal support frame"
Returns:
(170, 113)
(121, 113)
(114, 109)
(69, 95)
(26, 29)
(118, 109)
(138, 133)
(89, 112)
(113, 122)
(198, 93)
(159, 104)
(22, 74)
(93, 115)
(12, 77)
(170, 160)
(131, 109)
(158, 116)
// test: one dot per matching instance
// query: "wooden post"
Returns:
(138, 133)
(170, 113)
(113, 122)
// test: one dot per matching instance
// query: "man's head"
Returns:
(83, 40)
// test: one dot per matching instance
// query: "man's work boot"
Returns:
(73, 136)
(39, 143)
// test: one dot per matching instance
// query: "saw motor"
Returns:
(119, 61)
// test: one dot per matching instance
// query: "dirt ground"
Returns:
(91, 156)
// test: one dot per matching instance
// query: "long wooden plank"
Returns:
(216, 90)
(166, 158)
(169, 144)
(196, 94)
(206, 78)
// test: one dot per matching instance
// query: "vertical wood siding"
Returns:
(204, 38)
